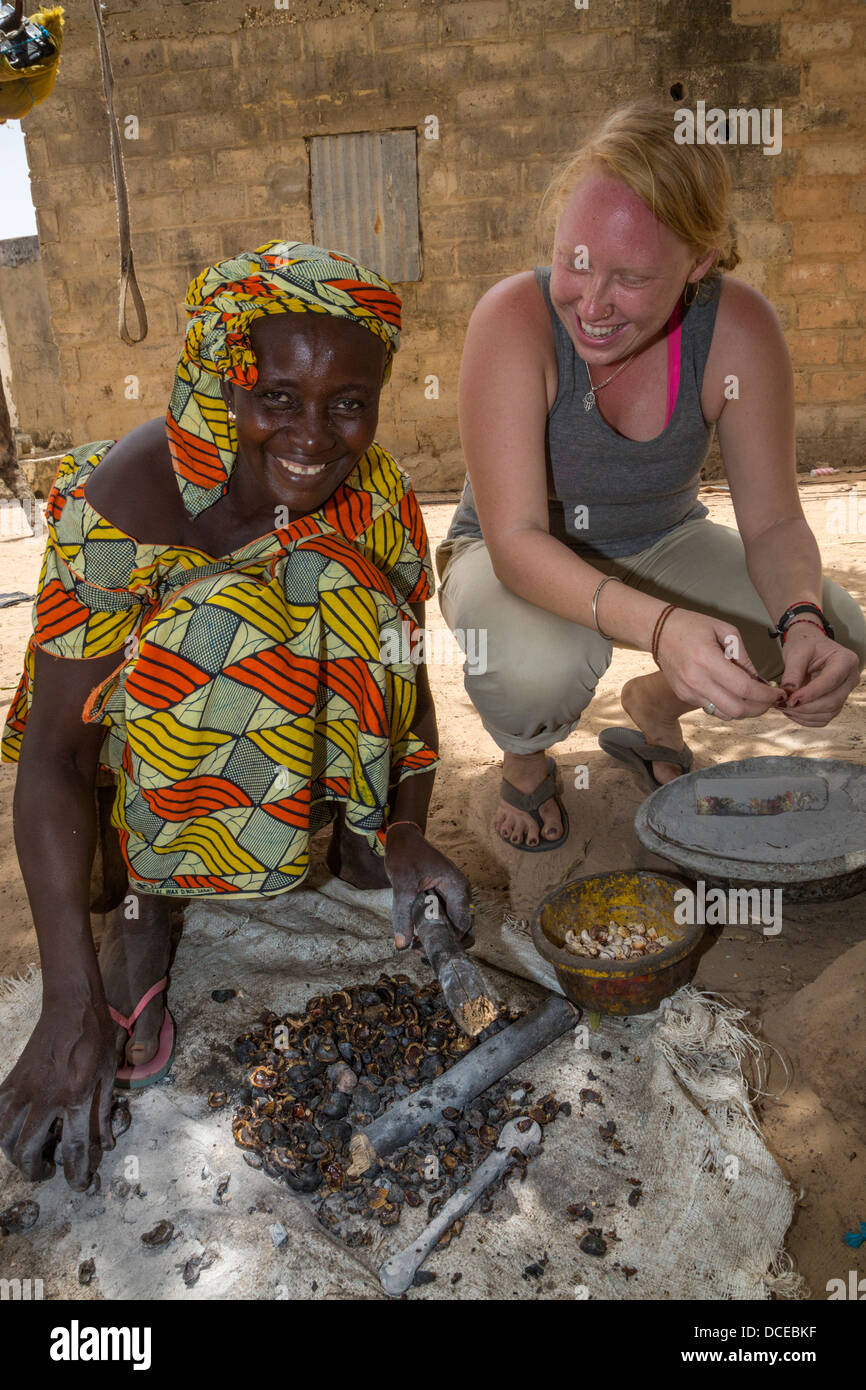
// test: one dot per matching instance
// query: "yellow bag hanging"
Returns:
(23, 88)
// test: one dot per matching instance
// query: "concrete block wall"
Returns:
(28, 356)
(225, 95)
(817, 277)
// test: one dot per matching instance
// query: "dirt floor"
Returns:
(804, 986)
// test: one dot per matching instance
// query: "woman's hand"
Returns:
(65, 1073)
(413, 864)
(705, 661)
(819, 675)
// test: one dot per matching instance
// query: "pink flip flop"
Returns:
(136, 1078)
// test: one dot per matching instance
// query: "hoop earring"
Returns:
(695, 288)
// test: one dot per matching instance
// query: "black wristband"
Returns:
(794, 612)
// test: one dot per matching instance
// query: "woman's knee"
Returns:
(523, 667)
(535, 680)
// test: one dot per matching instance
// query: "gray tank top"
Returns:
(608, 495)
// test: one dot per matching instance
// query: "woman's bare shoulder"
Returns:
(748, 344)
(744, 312)
(511, 326)
(134, 485)
(517, 297)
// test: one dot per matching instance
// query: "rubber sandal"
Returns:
(630, 747)
(148, 1073)
(530, 802)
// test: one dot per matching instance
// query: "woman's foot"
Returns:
(650, 703)
(350, 858)
(134, 954)
(526, 771)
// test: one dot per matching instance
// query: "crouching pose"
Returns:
(214, 623)
(588, 394)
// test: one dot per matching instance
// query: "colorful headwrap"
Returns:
(23, 88)
(280, 277)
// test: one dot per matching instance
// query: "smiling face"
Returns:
(637, 268)
(313, 411)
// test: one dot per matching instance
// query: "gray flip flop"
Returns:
(630, 747)
(530, 802)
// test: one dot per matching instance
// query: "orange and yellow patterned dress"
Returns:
(252, 691)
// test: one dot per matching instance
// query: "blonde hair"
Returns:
(687, 187)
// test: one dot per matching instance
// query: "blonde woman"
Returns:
(588, 394)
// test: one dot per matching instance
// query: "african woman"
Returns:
(212, 624)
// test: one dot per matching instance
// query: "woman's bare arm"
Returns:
(67, 1067)
(757, 439)
(54, 816)
(411, 862)
(758, 446)
(411, 797)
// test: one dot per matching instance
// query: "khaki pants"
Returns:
(541, 670)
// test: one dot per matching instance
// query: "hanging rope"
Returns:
(128, 282)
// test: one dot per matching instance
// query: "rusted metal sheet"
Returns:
(365, 199)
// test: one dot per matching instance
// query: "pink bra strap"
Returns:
(129, 1023)
(674, 337)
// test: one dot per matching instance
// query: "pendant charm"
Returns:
(588, 401)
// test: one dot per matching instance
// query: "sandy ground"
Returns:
(804, 985)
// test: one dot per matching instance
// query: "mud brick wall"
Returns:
(226, 94)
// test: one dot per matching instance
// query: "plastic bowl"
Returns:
(617, 987)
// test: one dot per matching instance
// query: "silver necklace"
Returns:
(589, 398)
